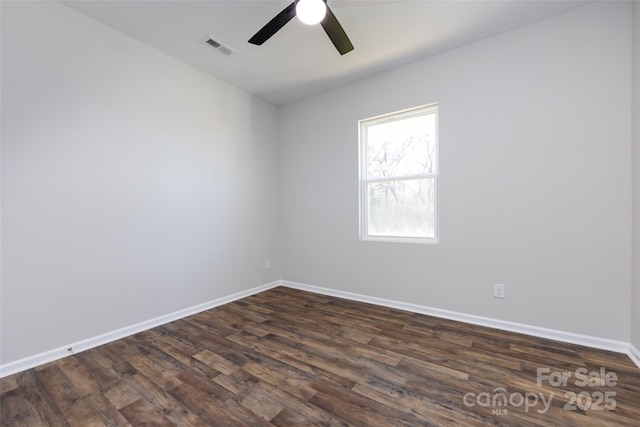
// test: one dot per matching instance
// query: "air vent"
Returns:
(213, 43)
(217, 45)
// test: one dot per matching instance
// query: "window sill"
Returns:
(391, 239)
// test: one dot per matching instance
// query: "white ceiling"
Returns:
(300, 60)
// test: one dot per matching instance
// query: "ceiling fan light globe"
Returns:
(311, 12)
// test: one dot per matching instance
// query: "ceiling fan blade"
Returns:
(274, 25)
(336, 33)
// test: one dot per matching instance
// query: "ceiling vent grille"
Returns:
(217, 45)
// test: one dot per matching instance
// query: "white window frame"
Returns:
(363, 126)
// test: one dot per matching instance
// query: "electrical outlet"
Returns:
(267, 264)
(498, 291)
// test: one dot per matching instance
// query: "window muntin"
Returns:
(399, 176)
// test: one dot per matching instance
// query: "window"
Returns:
(399, 176)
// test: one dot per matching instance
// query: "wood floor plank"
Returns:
(8, 383)
(82, 413)
(286, 357)
(109, 415)
(59, 387)
(121, 394)
(208, 411)
(15, 408)
(217, 362)
(104, 377)
(244, 415)
(143, 413)
(33, 390)
(80, 378)
(261, 404)
(257, 344)
(347, 403)
(298, 406)
(295, 386)
(204, 385)
(413, 404)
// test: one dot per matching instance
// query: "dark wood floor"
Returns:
(287, 358)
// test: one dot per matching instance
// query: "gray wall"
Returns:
(635, 285)
(133, 185)
(535, 184)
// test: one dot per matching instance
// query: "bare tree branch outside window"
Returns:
(401, 177)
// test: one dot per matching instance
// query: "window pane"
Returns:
(403, 147)
(402, 208)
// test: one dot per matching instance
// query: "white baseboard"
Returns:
(568, 337)
(634, 354)
(58, 353)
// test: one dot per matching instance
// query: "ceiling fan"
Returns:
(310, 12)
